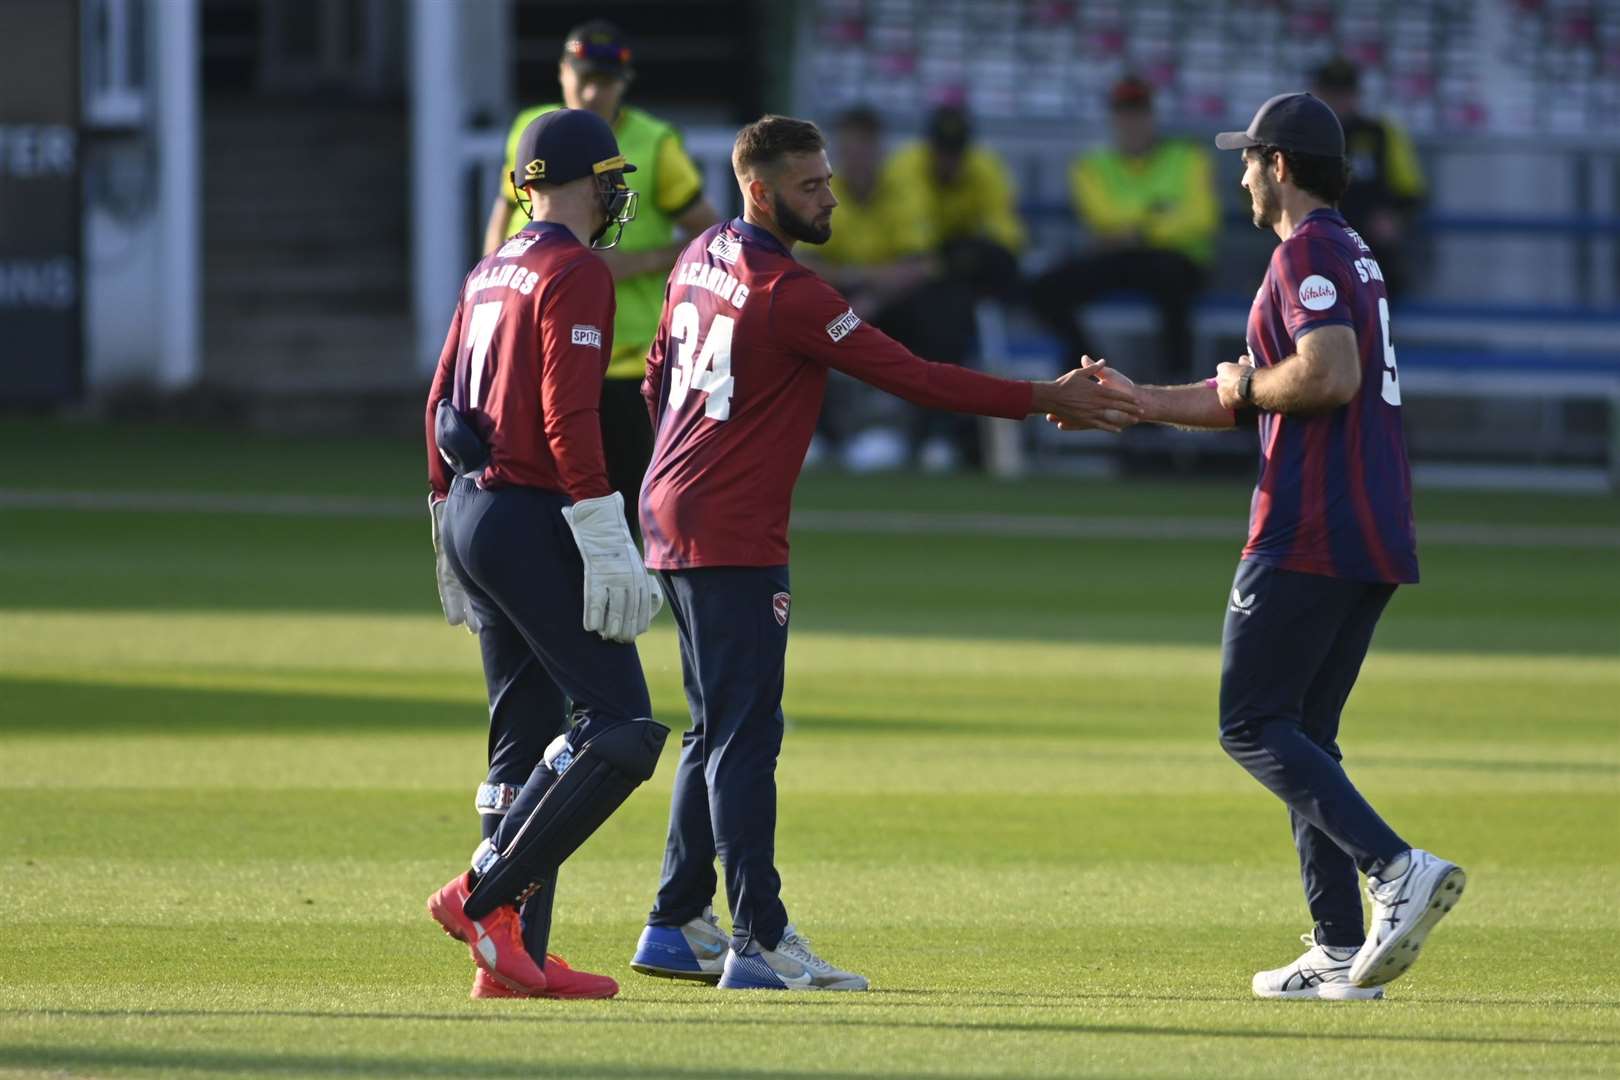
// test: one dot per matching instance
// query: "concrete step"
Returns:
(364, 253)
(392, 411)
(306, 258)
(343, 207)
(257, 128)
(269, 308)
(253, 279)
(326, 321)
(355, 351)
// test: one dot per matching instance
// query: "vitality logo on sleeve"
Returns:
(1318, 293)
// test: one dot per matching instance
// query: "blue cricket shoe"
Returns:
(790, 966)
(695, 950)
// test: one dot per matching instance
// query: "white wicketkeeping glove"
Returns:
(458, 610)
(620, 596)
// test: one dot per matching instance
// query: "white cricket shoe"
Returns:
(1405, 909)
(695, 950)
(790, 966)
(1320, 974)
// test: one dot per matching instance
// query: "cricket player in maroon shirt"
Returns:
(1331, 537)
(535, 554)
(735, 379)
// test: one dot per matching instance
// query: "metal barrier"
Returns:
(1450, 344)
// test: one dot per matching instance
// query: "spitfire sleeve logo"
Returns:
(725, 247)
(843, 326)
(1317, 293)
(516, 246)
(535, 170)
(587, 335)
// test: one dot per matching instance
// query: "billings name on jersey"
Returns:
(524, 362)
(1334, 495)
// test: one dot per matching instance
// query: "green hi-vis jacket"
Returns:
(668, 183)
(1166, 196)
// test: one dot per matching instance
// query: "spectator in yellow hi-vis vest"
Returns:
(968, 204)
(1148, 205)
(595, 71)
(883, 256)
(968, 199)
(1386, 181)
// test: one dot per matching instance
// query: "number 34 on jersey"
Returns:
(702, 360)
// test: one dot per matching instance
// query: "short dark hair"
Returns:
(1132, 93)
(859, 118)
(770, 138)
(1320, 175)
(1337, 74)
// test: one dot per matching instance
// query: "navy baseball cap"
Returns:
(598, 47)
(1299, 122)
(564, 145)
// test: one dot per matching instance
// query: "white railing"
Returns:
(115, 88)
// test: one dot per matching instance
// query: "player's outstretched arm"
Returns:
(1083, 399)
(815, 321)
(1322, 375)
(1197, 406)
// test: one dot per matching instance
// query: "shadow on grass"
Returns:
(1019, 999)
(935, 587)
(780, 1006)
(1490, 765)
(39, 706)
(43, 706)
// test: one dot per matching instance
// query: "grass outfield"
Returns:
(237, 752)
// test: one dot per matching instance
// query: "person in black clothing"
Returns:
(1387, 187)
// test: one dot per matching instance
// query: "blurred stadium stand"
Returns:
(281, 195)
(1510, 346)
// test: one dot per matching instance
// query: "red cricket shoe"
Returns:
(562, 981)
(496, 941)
(485, 986)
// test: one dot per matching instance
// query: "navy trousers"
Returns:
(514, 554)
(733, 628)
(1290, 653)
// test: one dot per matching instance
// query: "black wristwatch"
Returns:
(1246, 385)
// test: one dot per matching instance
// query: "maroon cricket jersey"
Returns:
(1334, 495)
(524, 361)
(735, 378)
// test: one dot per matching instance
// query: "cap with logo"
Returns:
(597, 47)
(1299, 122)
(564, 145)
